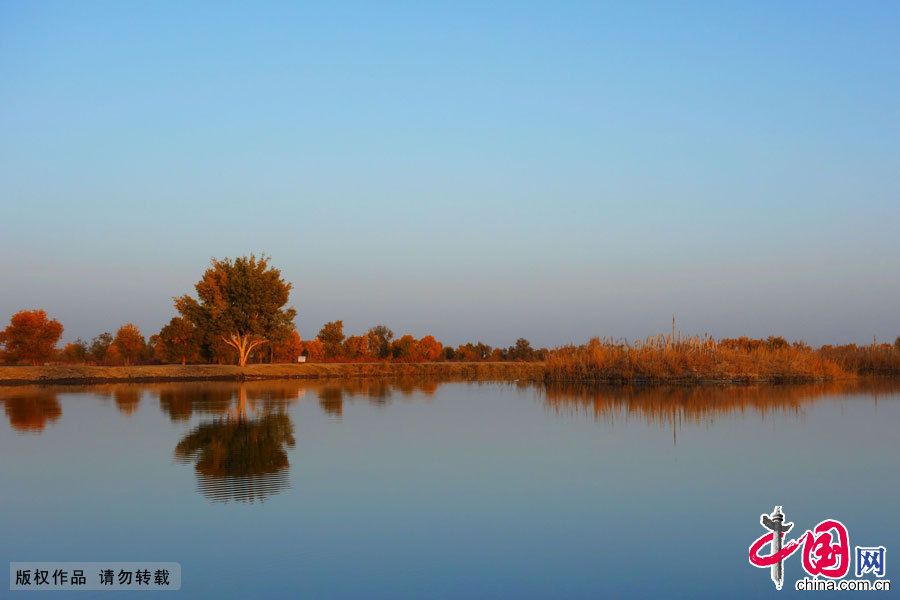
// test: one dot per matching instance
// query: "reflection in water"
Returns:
(240, 457)
(672, 406)
(29, 409)
(241, 453)
(331, 399)
(127, 399)
(377, 391)
(180, 402)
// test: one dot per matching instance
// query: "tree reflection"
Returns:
(334, 394)
(331, 399)
(29, 410)
(127, 399)
(242, 456)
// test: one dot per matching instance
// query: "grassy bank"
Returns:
(83, 374)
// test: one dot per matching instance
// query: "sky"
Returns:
(485, 171)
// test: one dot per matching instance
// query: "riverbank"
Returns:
(87, 374)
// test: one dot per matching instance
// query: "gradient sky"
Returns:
(553, 171)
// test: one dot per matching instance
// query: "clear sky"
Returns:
(471, 170)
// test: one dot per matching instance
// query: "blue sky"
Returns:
(550, 170)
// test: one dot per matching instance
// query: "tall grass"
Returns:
(676, 358)
(874, 359)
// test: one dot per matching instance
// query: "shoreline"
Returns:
(474, 371)
(89, 374)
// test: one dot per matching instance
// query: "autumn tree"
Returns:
(100, 347)
(313, 350)
(242, 303)
(31, 336)
(331, 335)
(288, 349)
(521, 351)
(129, 343)
(473, 352)
(404, 348)
(75, 352)
(356, 346)
(379, 341)
(177, 341)
(428, 348)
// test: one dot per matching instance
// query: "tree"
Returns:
(178, 341)
(404, 348)
(75, 352)
(521, 351)
(241, 302)
(31, 336)
(356, 346)
(313, 350)
(288, 349)
(428, 348)
(129, 342)
(331, 335)
(379, 341)
(100, 347)
(113, 356)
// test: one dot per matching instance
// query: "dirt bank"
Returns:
(84, 374)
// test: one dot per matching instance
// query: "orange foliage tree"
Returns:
(129, 343)
(314, 350)
(75, 352)
(428, 348)
(288, 349)
(356, 347)
(178, 342)
(241, 303)
(404, 348)
(332, 335)
(31, 336)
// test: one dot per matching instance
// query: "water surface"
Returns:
(383, 489)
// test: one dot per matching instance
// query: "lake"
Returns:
(377, 489)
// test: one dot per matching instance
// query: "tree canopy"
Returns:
(129, 343)
(177, 341)
(31, 336)
(242, 303)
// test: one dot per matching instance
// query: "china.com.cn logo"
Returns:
(825, 552)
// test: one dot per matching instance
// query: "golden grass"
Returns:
(689, 360)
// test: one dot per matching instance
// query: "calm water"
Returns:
(441, 490)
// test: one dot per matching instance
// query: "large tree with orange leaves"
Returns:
(31, 336)
(242, 303)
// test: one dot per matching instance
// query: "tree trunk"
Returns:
(244, 346)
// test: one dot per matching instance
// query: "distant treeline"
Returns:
(32, 338)
(240, 315)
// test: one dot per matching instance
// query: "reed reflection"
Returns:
(671, 407)
(241, 455)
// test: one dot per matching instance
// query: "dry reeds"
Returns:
(677, 358)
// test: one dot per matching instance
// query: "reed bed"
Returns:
(690, 359)
(874, 359)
